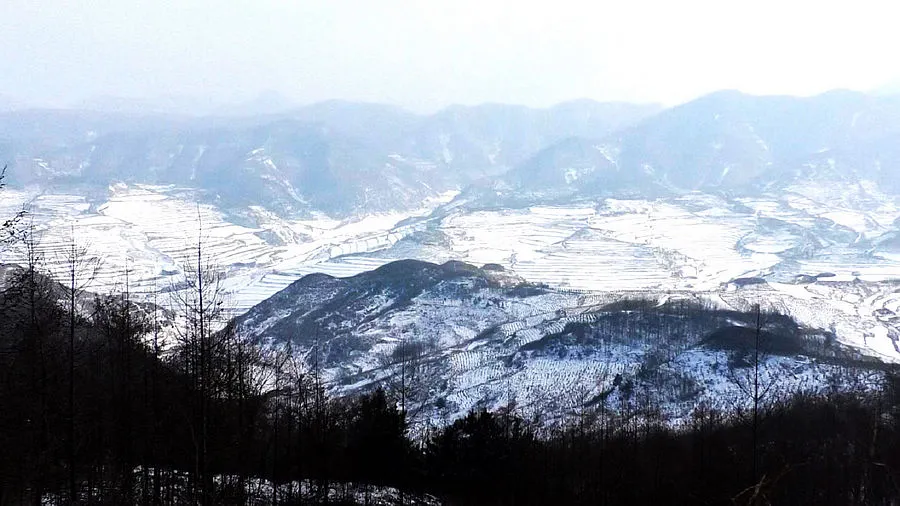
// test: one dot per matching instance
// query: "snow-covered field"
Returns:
(153, 232)
(819, 253)
(698, 242)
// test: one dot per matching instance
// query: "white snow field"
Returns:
(153, 233)
(695, 243)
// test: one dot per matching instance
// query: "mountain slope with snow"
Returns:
(458, 337)
(727, 141)
(339, 158)
(725, 201)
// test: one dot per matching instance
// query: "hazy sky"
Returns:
(425, 54)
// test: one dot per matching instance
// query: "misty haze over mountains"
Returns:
(386, 158)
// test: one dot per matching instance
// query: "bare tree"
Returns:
(199, 302)
(80, 270)
(409, 381)
(749, 371)
(32, 299)
(117, 319)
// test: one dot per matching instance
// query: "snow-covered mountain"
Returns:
(728, 141)
(459, 337)
(347, 159)
(339, 158)
(725, 201)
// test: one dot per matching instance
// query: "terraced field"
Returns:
(152, 231)
(598, 249)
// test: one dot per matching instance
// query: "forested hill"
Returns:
(449, 338)
(94, 413)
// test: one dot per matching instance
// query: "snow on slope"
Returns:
(481, 340)
(153, 230)
(696, 242)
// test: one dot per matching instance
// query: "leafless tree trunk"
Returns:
(81, 270)
(200, 303)
(755, 388)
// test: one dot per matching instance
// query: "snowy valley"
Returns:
(738, 210)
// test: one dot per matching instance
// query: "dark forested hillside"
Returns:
(94, 412)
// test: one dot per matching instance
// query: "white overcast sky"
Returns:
(427, 54)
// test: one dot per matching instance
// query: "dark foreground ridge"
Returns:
(96, 413)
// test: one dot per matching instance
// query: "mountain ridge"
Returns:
(385, 158)
(461, 339)
(724, 140)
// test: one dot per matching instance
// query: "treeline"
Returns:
(94, 409)
(836, 450)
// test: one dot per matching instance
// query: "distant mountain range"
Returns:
(344, 158)
(728, 141)
(335, 157)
